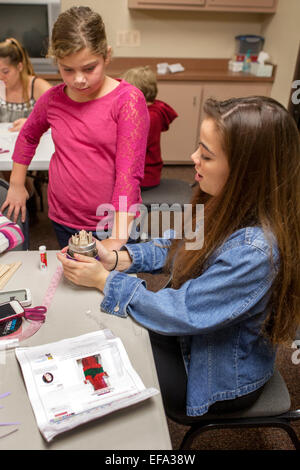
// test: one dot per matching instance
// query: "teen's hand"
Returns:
(17, 125)
(107, 257)
(85, 271)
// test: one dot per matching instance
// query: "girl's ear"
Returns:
(20, 67)
(108, 55)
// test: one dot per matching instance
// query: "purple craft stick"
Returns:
(4, 395)
(8, 433)
(9, 424)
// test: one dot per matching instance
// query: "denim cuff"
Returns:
(118, 292)
(136, 254)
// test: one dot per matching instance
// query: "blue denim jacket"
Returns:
(217, 316)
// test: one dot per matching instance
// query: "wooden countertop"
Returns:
(195, 70)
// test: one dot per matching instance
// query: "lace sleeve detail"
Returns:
(32, 131)
(132, 134)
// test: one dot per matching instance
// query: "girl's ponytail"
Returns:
(11, 49)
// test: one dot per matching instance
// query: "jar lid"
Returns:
(42, 248)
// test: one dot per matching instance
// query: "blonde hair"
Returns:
(76, 29)
(12, 50)
(143, 78)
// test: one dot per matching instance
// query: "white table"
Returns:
(42, 155)
(75, 311)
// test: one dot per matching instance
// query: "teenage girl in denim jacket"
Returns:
(234, 297)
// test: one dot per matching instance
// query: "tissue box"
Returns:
(261, 70)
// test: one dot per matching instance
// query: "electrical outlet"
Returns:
(130, 38)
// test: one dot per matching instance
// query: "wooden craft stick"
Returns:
(9, 273)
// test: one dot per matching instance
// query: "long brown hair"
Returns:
(12, 50)
(75, 29)
(262, 144)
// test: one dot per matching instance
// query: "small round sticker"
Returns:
(9, 327)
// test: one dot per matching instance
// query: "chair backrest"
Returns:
(169, 191)
(169, 196)
(24, 227)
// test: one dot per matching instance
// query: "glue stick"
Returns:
(43, 257)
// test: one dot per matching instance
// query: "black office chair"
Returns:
(24, 226)
(169, 196)
(272, 409)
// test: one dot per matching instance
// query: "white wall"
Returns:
(173, 33)
(204, 35)
(282, 41)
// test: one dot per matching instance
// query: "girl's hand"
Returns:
(17, 125)
(16, 202)
(85, 271)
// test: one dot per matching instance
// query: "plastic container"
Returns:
(247, 63)
(249, 42)
(43, 257)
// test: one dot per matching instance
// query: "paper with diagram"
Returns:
(79, 379)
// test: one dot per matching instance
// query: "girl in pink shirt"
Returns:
(99, 127)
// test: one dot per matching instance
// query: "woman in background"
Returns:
(19, 90)
(21, 87)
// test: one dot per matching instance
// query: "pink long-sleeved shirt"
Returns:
(100, 148)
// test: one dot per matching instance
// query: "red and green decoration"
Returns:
(94, 373)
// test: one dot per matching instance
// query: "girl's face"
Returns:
(9, 74)
(211, 163)
(84, 74)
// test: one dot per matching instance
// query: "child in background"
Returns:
(99, 129)
(161, 116)
(21, 87)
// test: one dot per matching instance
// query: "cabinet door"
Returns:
(225, 91)
(166, 4)
(179, 142)
(242, 4)
(172, 2)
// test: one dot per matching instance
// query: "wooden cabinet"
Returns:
(188, 98)
(167, 4)
(179, 142)
(255, 6)
(243, 5)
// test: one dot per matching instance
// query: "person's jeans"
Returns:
(172, 379)
(63, 233)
